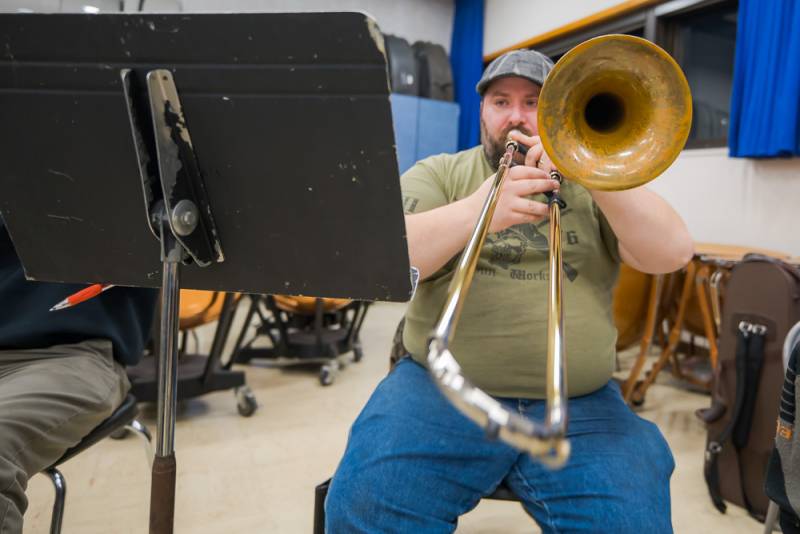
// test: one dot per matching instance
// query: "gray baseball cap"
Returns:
(528, 64)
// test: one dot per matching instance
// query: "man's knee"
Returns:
(632, 446)
(642, 483)
(656, 451)
(632, 465)
(347, 504)
(93, 360)
(13, 502)
(51, 404)
(336, 510)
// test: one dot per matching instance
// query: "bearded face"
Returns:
(508, 104)
(494, 146)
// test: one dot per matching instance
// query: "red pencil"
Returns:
(80, 296)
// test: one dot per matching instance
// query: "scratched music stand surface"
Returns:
(134, 143)
(290, 120)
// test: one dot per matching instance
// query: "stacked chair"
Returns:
(199, 374)
(303, 329)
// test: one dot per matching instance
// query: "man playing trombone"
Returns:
(414, 462)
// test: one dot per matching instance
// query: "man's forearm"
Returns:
(652, 236)
(437, 235)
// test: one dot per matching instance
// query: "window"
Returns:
(630, 25)
(636, 32)
(703, 43)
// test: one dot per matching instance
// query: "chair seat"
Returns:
(198, 308)
(503, 493)
(122, 416)
(308, 305)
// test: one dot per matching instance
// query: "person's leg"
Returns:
(49, 400)
(617, 476)
(413, 463)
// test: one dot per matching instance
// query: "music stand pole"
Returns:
(162, 486)
(180, 216)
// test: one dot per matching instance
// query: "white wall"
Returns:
(736, 201)
(55, 6)
(508, 22)
(414, 20)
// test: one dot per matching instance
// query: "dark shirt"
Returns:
(122, 315)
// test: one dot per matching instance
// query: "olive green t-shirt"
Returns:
(501, 339)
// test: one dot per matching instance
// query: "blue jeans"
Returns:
(414, 464)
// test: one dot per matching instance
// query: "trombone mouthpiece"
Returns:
(519, 147)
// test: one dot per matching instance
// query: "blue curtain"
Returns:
(466, 58)
(765, 102)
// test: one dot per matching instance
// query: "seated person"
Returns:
(61, 373)
(413, 462)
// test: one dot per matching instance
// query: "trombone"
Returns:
(613, 114)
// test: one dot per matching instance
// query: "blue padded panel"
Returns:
(405, 118)
(422, 128)
(437, 128)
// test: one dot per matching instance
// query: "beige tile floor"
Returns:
(240, 475)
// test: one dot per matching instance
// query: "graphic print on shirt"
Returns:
(410, 204)
(508, 246)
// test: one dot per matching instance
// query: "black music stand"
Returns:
(263, 139)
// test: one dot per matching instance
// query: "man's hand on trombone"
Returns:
(635, 215)
(514, 204)
(535, 155)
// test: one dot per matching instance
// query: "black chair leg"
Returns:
(58, 505)
(143, 433)
(320, 492)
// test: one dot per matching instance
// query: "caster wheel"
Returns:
(358, 353)
(246, 402)
(122, 433)
(326, 376)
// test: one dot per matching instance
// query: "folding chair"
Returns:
(124, 417)
(199, 374)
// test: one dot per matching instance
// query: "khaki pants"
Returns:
(49, 400)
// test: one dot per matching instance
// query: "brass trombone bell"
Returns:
(614, 112)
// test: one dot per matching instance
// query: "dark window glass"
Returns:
(703, 43)
(638, 32)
